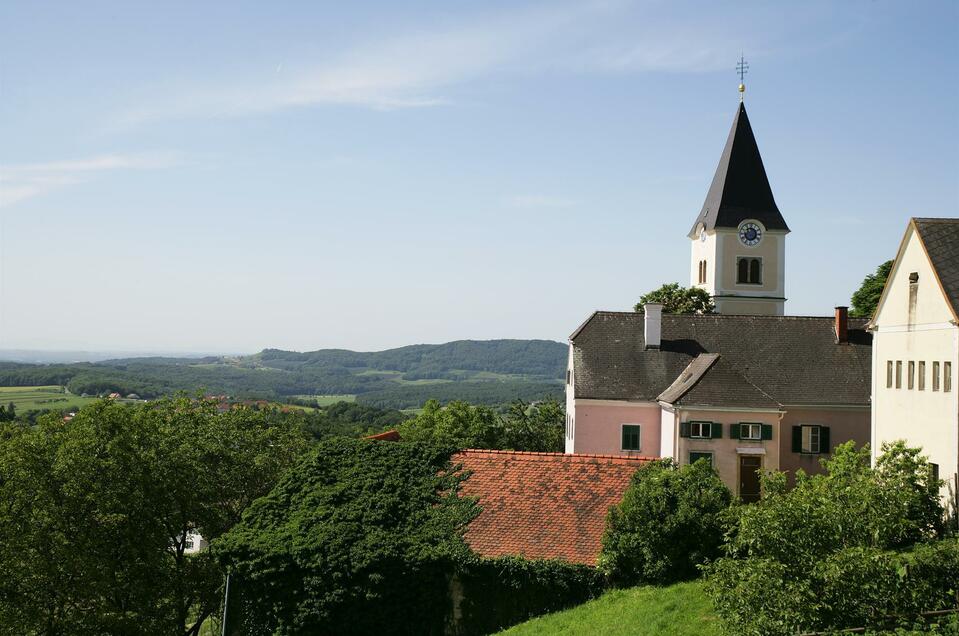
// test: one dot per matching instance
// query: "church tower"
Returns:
(739, 237)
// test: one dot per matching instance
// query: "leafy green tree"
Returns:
(537, 427)
(94, 512)
(679, 300)
(359, 538)
(668, 523)
(866, 298)
(803, 543)
(458, 425)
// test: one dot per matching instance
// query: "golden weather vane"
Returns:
(742, 67)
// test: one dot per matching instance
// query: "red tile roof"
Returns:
(387, 436)
(543, 505)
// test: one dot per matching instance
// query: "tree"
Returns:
(359, 538)
(668, 523)
(679, 300)
(94, 513)
(866, 298)
(825, 546)
(536, 427)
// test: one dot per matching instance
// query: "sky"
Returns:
(225, 177)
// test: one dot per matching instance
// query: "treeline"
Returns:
(486, 393)
(542, 358)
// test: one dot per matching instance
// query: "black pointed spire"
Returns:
(740, 189)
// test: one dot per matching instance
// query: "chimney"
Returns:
(653, 329)
(842, 325)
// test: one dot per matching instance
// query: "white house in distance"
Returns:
(916, 348)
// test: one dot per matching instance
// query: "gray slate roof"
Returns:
(941, 240)
(764, 361)
(740, 189)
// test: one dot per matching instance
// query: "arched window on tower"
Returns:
(749, 271)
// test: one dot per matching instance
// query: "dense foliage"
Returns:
(679, 300)
(866, 298)
(94, 513)
(359, 538)
(668, 523)
(826, 548)
(348, 419)
(488, 372)
(498, 593)
(537, 427)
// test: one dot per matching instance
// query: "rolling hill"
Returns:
(488, 372)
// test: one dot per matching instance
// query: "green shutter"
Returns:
(767, 431)
(684, 429)
(824, 446)
(717, 430)
(797, 439)
(625, 442)
(734, 431)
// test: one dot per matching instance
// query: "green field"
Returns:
(326, 400)
(28, 398)
(677, 610)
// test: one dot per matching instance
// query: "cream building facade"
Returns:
(916, 349)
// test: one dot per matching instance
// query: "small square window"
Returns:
(702, 430)
(750, 431)
(696, 456)
(631, 437)
(810, 439)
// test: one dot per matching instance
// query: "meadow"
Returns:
(51, 396)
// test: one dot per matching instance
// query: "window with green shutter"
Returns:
(631, 437)
(701, 430)
(811, 439)
(750, 430)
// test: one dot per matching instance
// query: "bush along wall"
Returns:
(491, 594)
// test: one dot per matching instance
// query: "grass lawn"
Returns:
(677, 610)
(54, 397)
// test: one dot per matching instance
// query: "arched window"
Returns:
(749, 271)
(704, 272)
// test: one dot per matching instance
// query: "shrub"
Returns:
(497, 593)
(668, 523)
(823, 555)
(359, 538)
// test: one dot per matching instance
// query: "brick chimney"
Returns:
(842, 325)
(653, 329)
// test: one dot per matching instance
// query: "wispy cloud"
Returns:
(539, 201)
(416, 70)
(19, 182)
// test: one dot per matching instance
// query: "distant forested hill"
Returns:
(490, 371)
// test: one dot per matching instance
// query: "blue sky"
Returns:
(233, 176)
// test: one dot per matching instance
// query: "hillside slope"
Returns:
(678, 610)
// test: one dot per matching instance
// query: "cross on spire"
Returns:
(742, 67)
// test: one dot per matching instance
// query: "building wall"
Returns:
(927, 418)
(733, 306)
(844, 424)
(726, 451)
(599, 427)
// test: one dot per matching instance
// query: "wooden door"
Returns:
(749, 466)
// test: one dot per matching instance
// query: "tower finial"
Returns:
(742, 67)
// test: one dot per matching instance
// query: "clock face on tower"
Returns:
(750, 234)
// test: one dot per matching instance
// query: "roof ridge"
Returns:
(573, 457)
(717, 316)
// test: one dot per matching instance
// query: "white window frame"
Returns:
(701, 425)
(806, 444)
(749, 428)
(622, 430)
